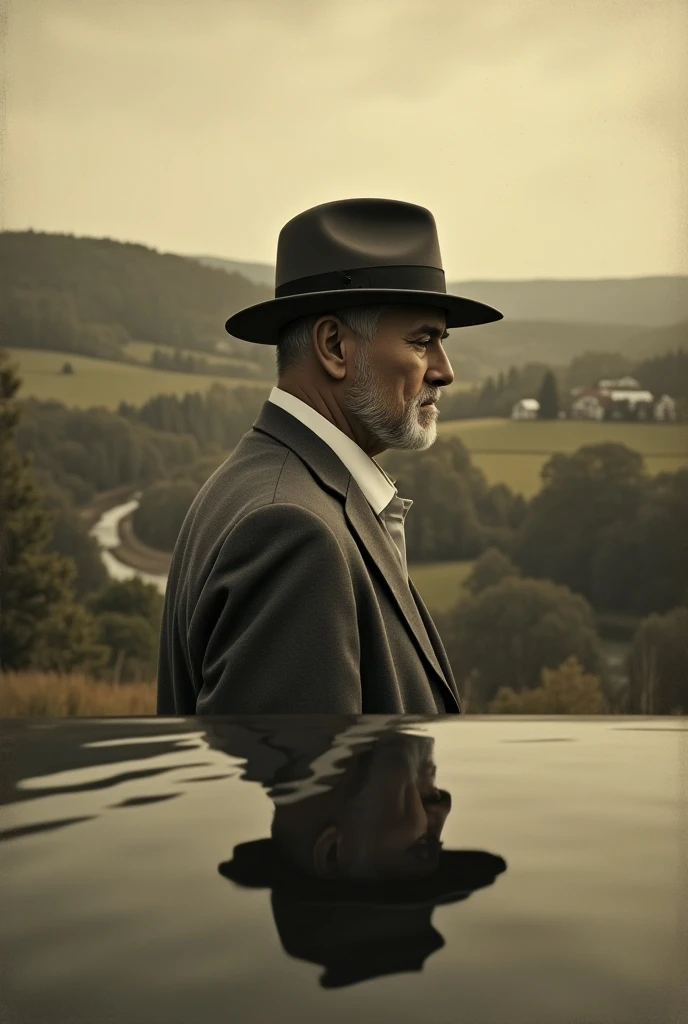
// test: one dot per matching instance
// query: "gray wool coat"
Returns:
(286, 595)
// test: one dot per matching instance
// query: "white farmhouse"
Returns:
(623, 403)
(526, 409)
(665, 408)
(587, 407)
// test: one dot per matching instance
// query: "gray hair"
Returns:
(295, 338)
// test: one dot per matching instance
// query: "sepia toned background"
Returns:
(151, 152)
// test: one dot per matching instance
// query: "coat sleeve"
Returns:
(277, 620)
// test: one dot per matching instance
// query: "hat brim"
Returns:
(257, 865)
(262, 323)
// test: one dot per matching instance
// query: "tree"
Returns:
(162, 510)
(585, 370)
(567, 690)
(548, 398)
(583, 494)
(658, 665)
(41, 625)
(488, 397)
(133, 645)
(513, 380)
(70, 537)
(668, 373)
(492, 567)
(642, 566)
(507, 633)
(455, 513)
(128, 597)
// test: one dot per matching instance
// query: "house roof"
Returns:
(528, 403)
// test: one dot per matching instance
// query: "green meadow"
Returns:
(510, 452)
(439, 583)
(107, 383)
(513, 451)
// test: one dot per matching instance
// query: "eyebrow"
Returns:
(434, 332)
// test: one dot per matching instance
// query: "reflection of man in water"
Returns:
(354, 866)
(383, 819)
(356, 801)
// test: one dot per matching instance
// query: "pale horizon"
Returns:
(547, 139)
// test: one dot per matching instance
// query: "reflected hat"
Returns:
(356, 252)
(258, 865)
(359, 930)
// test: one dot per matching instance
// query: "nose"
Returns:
(437, 807)
(441, 364)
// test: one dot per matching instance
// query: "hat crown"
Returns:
(353, 234)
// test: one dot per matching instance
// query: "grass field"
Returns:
(439, 583)
(57, 695)
(107, 383)
(507, 451)
(513, 452)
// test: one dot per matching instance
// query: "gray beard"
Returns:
(369, 401)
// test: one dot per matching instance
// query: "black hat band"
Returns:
(424, 279)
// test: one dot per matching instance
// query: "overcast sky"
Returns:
(548, 137)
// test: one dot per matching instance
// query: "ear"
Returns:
(326, 852)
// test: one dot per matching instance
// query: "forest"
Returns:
(601, 536)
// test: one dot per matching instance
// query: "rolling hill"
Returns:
(94, 297)
(635, 301)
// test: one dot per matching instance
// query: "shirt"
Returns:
(378, 488)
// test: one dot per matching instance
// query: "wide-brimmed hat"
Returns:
(356, 252)
(258, 865)
(361, 930)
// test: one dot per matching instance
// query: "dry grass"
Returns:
(42, 694)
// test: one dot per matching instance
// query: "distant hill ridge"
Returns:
(93, 295)
(635, 301)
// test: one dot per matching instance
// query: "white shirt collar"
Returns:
(377, 487)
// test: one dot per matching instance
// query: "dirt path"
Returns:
(131, 551)
(104, 500)
(135, 553)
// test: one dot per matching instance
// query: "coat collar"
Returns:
(336, 478)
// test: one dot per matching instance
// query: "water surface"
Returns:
(114, 907)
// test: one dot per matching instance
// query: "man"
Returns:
(288, 590)
(355, 864)
(353, 797)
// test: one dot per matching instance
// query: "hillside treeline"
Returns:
(666, 374)
(179, 362)
(516, 642)
(497, 395)
(456, 513)
(607, 530)
(216, 418)
(91, 296)
(88, 450)
(600, 524)
(519, 645)
(110, 630)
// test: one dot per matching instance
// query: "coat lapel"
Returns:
(380, 547)
(371, 534)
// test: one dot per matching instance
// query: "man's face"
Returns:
(391, 828)
(403, 369)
